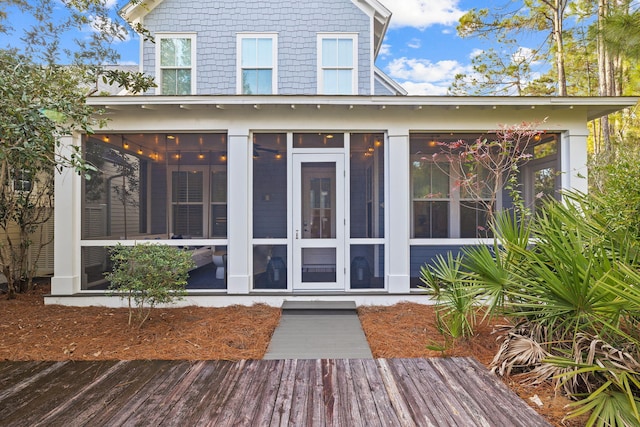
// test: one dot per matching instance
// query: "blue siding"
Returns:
(296, 23)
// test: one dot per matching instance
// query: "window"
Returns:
(175, 63)
(541, 176)
(430, 198)
(337, 59)
(441, 207)
(257, 60)
(22, 180)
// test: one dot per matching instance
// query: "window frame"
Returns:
(354, 67)
(159, 68)
(551, 161)
(207, 202)
(274, 61)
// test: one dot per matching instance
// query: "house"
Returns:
(291, 167)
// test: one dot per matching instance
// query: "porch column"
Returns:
(573, 159)
(399, 214)
(238, 191)
(66, 216)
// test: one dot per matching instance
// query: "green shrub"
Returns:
(574, 297)
(147, 275)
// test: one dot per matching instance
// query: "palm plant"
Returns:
(446, 281)
(575, 298)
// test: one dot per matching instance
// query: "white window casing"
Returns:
(257, 58)
(337, 63)
(182, 64)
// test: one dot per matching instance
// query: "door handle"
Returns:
(297, 234)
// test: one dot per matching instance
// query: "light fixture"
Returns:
(433, 143)
(378, 143)
(140, 150)
(177, 156)
(223, 157)
(106, 138)
(371, 149)
(201, 155)
(171, 137)
(278, 155)
(125, 145)
(329, 136)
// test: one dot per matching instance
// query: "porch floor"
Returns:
(320, 392)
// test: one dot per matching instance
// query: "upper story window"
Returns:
(257, 59)
(175, 63)
(337, 64)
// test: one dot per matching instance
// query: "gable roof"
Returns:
(134, 11)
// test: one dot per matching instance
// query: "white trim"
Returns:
(298, 228)
(194, 59)
(354, 69)
(274, 59)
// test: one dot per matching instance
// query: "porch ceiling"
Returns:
(595, 106)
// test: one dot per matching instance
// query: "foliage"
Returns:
(42, 102)
(615, 190)
(568, 279)
(575, 303)
(445, 281)
(484, 167)
(148, 275)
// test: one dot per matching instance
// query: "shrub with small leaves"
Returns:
(147, 275)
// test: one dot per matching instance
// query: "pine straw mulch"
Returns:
(30, 330)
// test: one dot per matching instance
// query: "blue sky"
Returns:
(421, 50)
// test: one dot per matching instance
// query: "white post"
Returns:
(573, 158)
(397, 206)
(66, 279)
(238, 193)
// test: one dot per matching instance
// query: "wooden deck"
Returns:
(324, 392)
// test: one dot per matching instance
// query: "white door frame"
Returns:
(298, 225)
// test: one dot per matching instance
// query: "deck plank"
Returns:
(284, 396)
(441, 399)
(490, 392)
(311, 392)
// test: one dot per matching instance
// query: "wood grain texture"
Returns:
(321, 392)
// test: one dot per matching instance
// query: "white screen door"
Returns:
(318, 222)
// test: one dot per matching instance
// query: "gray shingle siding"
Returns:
(296, 23)
(382, 89)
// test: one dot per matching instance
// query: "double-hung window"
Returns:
(257, 59)
(175, 64)
(337, 60)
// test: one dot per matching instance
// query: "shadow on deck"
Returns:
(321, 392)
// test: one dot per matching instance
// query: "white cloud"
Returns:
(423, 13)
(423, 77)
(101, 24)
(385, 50)
(110, 4)
(415, 43)
(524, 54)
(476, 52)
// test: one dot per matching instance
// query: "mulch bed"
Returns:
(30, 330)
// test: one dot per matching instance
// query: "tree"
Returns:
(503, 71)
(42, 101)
(538, 16)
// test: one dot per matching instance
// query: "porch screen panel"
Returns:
(219, 202)
(114, 198)
(187, 200)
(270, 186)
(367, 186)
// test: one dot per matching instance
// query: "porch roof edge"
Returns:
(596, 106)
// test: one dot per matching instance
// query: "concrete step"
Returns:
(319, 305)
